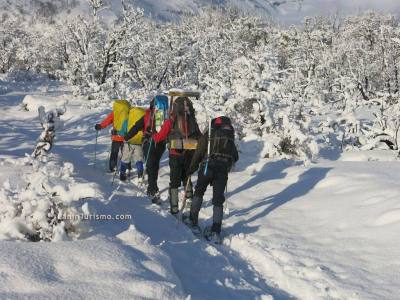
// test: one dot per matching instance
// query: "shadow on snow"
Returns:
(305, 183)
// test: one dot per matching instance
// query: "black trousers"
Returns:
(115, 148)
(179, 166)
(152, 154)
(217, 176)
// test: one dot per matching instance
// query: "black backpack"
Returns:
(185, 125)
(222, 141)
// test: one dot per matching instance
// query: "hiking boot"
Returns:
(187, 220)
(188, 204)
(196, 229)
(192, 224)
(123, 177)
(156, 200)
(212, 236)
(173, 201)
(155, 197)
(216, 227)
(140, 180)
(150, 193)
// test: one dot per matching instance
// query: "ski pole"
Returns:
(180, 217)
(130, 161)
(151, 132)
(148, 152)
(95, 150)
(209, 148)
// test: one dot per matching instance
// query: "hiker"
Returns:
(118, 119)
(132, 150)
(182, 131)
(216, 153)
(150, 123)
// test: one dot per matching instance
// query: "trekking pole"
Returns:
(209, 148)
(130, 162)
(148, 152)
(151, 140)
(95, 149)
(180, 217)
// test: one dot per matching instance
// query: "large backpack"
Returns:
(161, 110)
(158, 114)
(121, 114)
(222, 141)
(185, 130)
(135, 114)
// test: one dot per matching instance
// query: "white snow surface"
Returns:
(328, 230)
(32, 103)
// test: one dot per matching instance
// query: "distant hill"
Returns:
(284, 11)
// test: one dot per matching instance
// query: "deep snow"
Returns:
(328, 230)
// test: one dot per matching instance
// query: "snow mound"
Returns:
(99, 268)
(372, 155)
(32, 103)
(37, 201)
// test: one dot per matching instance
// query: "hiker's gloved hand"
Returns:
(126, 137)
(97, 127)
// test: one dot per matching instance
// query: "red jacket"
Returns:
(162, 135)
(109, 121)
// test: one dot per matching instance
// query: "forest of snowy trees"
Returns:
(332, 81)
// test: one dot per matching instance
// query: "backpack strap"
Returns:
(186, 119)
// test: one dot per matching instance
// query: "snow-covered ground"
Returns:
(328, 230)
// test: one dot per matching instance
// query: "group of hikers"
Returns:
(141, 136)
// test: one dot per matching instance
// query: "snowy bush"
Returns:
(39, 205)
(245, 67)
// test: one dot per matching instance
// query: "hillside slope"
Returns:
(283, 11)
